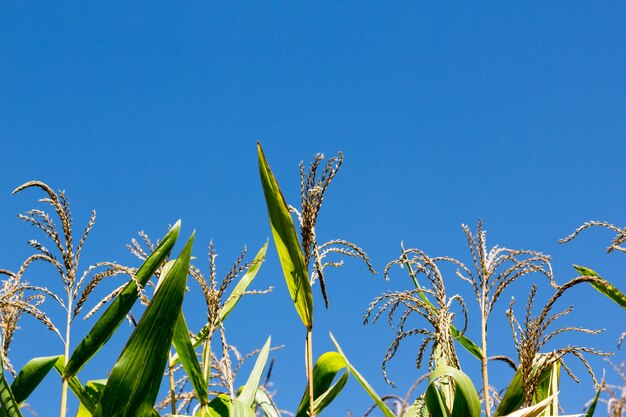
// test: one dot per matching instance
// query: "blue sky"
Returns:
(446, 113)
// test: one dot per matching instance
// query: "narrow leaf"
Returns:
(231, 301)
(249, 390)
(9, 405)
(134, 383)
(188, 357)
(113, 316)
(243, 284)
(287, 244)
(607, 289)
(514, 396)
(592, 407)
(366, 386)
(217, 407)
(263, 400)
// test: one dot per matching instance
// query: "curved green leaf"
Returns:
(119, 307)
(466, 402)
(134, 383)
(326, 368)
(607, 289)
(287, 244)
(31, 376)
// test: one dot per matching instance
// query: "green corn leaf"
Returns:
(535, 410)
(467, 343)
(9, 405)
(239, 409)
(287, 244)
(466, 402)
(249, 390)
(463, 340)
(514, 396)
(435, 403)
(607, 289)
(326, 368)
(187, 354)
(31, 376)
(94, 389)
(592, 406)
(366, 386)
(134, 383)
(231, 301)
(217, 407)
(119, 307)
(263, 400)
(84, 396)
(548, 387)
(243, 284)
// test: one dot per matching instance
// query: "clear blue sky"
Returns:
(445, 113)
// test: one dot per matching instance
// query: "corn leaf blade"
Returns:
(263, 399)
(134, 383)
(466, 402)
(325, 370)
(9, 405)
(113, 316)
(607, 289)
(514, 396)
(249, 390)
(592, 407)
(31, 376)
(366, 386)
(287, 244)
(188, 357)
(231, 301)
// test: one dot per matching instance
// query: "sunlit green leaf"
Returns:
(249, 390)
(10, 407)
(366, 386)
(263, 400)
(134, 383)
(113, 316)
(607, 288)
(466, 402)
(185, 351)
(31, 376)
(592, 407)
(326, 368)
(287, 244)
